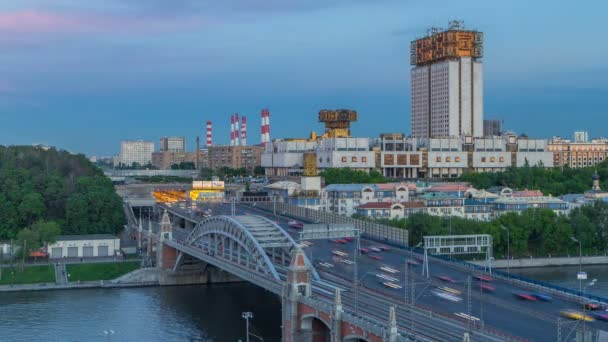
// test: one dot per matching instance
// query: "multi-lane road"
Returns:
(501, 309)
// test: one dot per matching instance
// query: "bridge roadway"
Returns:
(501, 310)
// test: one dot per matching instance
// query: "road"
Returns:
(501, 309)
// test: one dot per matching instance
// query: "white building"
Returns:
(286, 157)
(135, 151)
(447, 99)
(343, 199)
(172, 144)
(409, 158)
(79, 246)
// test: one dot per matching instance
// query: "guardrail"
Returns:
(371, 230)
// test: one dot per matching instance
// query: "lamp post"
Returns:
(580, 261)
(584, 305)
(247, 316)
(508, 248)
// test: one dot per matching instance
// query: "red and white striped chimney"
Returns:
(231, 130)
(265, 134)
(209, 136)
(244, 131)
(237, 130)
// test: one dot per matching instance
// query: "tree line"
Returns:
(47, 192)
(555, 181)
(535, 232)
(350, 176)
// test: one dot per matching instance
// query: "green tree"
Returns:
(31, 208)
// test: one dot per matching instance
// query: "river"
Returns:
(184, 313)
(566, 276)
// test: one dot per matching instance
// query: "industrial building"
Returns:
(83, 246)
(172, 144)
(410, 158)
(447, 83)
(578, 153)
(134, 151)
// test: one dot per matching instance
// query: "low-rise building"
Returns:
(165, 159)
(342, 199)
(519, 204)
(578, 153)
(83, 246)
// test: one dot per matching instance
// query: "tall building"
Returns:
(134, 151)
(447, 83)
(172, 144)
(491, 128)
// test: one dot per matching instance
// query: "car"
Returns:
(543, 297)
(392, 285)
(413, 262)
(347, 261)
(573, 314)
(375, 249)
(482, 277)
(325, 264)
(385, 277)
(304, 244)
(602, 316)
(375, 257)
(446, 295)
(348, 239)
(445, 278)
(340, 241)
(384, 248)
(295, 224)
(449, 290)
(487, 288)
(525, 296)
(389, 269)
(339, 253)
(592, 306)
(363, 250)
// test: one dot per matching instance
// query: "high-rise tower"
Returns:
(447, 83)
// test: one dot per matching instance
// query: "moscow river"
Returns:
(183, 313)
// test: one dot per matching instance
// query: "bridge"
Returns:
(339, 303)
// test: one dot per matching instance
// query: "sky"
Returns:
(84, 75)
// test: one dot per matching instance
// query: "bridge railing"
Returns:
(371, 230)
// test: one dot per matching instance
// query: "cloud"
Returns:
(33, 21)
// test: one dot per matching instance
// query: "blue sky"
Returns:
(84, 75)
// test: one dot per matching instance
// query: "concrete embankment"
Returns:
(541, 262)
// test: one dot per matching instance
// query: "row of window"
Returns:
(354, 159)
(448, 159)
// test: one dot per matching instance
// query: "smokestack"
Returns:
(209, 136)
(231, 130)
(265, 127)
(198, 151)
(244, 131)
(237, 130)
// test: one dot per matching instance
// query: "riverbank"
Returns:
(543, 262)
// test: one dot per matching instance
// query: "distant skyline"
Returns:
(84, 75)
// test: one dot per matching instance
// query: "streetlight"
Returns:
(508, 248)
(108, 334)
(580, 262)
(247, 316)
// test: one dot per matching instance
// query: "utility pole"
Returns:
(23, 255)
(247, 316)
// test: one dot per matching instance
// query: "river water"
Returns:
(184, 313)
(566, 276)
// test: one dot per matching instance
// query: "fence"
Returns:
(371, 230)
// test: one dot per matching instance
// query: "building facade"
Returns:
(343, 199)
(172, 144)
(82, 246)
(578, 153)
(134, 151)
(165, 159)
(286, 157)
(234, 157)
(410, 158)
(447, 84)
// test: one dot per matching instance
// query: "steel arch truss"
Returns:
(250, 241)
